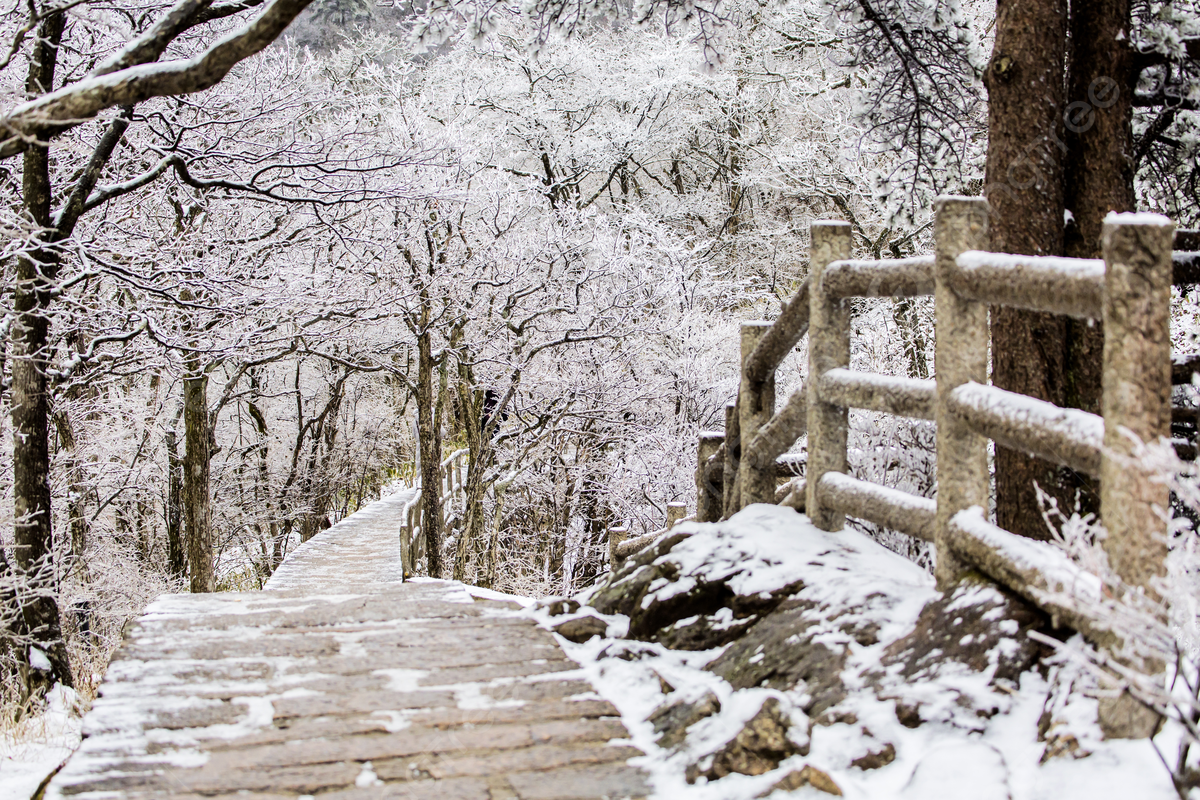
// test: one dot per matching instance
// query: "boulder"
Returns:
(758, 748)
(779, 653)
(672, 722)
(683, 612)
(627, 650)
(807, 776)
(580, 629)
(976, 624)
(625, 587)
(874, 759)
(557, 606)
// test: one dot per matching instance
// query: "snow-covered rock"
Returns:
(765, 656)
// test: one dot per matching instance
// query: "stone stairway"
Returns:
(340, 681)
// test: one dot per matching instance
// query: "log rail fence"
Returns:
(1129, 290)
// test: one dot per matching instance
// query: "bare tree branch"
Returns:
(71, 105)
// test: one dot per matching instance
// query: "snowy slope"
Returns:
(978, 734)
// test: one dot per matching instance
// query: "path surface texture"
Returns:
(340, 681)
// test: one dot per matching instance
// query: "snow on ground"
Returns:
(32, 751)
(951, 755)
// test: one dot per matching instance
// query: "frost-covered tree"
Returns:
(79, 61)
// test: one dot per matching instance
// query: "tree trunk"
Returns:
(491, 549)
(262, 479)
(1098, 178)
(36, 270)
(471, 405)
(77, 490)
(1025, 83)
(431, 454)
(176, 551)
(197, 500)
(593, 551)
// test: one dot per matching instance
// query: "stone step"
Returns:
(340, 681)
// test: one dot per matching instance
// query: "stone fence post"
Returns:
(733, 452)
(1136, 402)
(708, 500)
(756, 406)
(960, 356)
(616, 535)
(828, 348)
(675, 512)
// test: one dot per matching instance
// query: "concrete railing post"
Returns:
(1137, 391)
(733, 452)
(616, 535)
(708, 499)
(960, 356)
(828, 348)
(756, 406)
(1136, 403)
(405, 556)
(675, 512)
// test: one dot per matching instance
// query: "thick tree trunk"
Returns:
(317, 478)
(36, 270)
(593, 549)
(1098, 178)
(262, 478)
(471, 404)
(556, 532)
(197, 500)
(491, 549)
(1099, 123)
(1024, 184)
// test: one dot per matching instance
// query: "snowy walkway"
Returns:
(342, 682)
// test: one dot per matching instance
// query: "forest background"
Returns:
(353, 256)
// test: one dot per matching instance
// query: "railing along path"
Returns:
(1129, 290)
(412, 543)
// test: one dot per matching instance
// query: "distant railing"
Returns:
(412, 543)
(621, 547)
(1129, 290)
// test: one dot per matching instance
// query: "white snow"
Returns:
(367, 777)
(954, 754)
(490, 594)
(401, 680)
(38, 660)
(37, 747)
(1086, 268)
(1136, 218)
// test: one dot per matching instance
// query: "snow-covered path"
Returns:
(340, 680)
(361, 551)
